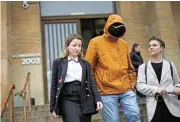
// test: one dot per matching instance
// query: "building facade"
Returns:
(32, 37)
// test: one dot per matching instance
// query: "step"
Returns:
(45, 112)
(44, 116)
(46, 107)
(40, 113)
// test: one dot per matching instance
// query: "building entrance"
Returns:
(55, 34)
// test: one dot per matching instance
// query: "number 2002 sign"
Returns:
(28, 61)
(29, 58)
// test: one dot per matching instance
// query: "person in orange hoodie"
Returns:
(113, 71)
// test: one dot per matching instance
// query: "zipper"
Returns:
(117, 52)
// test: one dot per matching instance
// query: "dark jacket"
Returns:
(136, 60)
(89, 94)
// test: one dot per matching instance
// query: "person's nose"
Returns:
(150, 48)
(77, 47)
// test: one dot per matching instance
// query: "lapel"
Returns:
(83, 65)
(165, 69)
(150, 69)
(64, 68)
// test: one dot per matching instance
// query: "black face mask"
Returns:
(117, 29)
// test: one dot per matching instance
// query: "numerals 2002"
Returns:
(27, 61)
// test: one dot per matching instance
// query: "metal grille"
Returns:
(55, 36)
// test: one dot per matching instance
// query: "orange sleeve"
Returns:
(131, 71)
(91, 54)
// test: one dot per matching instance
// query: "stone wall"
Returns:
(24, 38)
(167, 31)
(175, 5)
(147, 19)
(135, 18)
(5, 47)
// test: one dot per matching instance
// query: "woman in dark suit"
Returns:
(74, 95)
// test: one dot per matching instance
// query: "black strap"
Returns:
(171, 70)
(171, 74)
(146, 71)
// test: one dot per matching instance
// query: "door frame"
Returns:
(66, 18)
(73, 17)
(60, 19)
(44, 68)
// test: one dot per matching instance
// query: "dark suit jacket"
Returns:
(88, 85)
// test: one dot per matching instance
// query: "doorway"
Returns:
(91, 28)
(54, 36)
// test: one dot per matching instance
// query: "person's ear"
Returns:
(162, 49)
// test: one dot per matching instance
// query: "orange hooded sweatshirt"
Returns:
(110, 61)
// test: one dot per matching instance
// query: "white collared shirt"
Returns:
(74, 70)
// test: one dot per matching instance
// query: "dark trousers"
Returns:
(162, 114)
(71, 111)
(70, 103)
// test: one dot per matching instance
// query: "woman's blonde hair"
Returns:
(68, 41)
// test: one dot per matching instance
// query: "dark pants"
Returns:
(71, 112)
(70, 103)
(162, 114)
(140, 95)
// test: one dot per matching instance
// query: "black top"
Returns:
(136, 60)
(158, 69)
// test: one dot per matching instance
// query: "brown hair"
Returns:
(161, 42)
(134, 46)
(68, 41)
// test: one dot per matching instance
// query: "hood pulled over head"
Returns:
(114, 26)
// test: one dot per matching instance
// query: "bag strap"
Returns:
(145, 72)
(171, 70)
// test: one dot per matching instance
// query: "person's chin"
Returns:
(76, 54)
(152, 54)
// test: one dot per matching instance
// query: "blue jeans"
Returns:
(128, 102)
